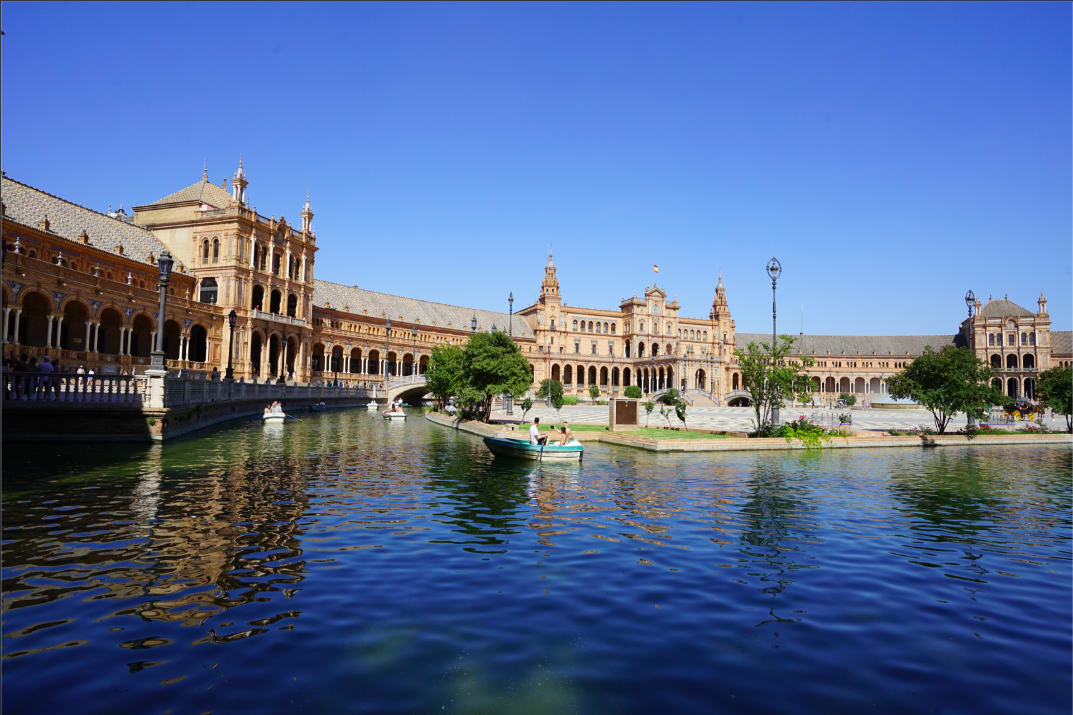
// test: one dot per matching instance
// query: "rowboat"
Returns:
(273, 418)
(372, 406)
(394, 415)
(522, 449)
(318, 407)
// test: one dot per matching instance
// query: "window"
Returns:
(991, 339)
(597, 328)
(215, 250)
(577, 346)
(574, 324)
(612, 328)
(590, 326)
(1031, 338)
(205, 251)
(642, 328)
(209, 290)
(1024, 338)
(610, 348)
(593, 347)
(553, 324)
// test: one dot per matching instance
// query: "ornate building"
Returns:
(82, 286)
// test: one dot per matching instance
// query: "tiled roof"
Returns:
(29, 206)
(1061, 342)
(1003, 308)
(204, 191)
(374, 304)
(855, 344)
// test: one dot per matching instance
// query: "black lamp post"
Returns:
(774, 270)
(970, 303)
(413, 366)
(473, 323)
(232, 317)
(510, 325)
(165, 263)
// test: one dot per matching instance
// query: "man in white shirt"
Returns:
(534, 433)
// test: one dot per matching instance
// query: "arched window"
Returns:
(1031, 338)
(590, 326)
(991, 339)
(705, 334)
(612, 328)
(575, 326)
(998, 340)
(598, 327)
(1024, 338)
(209, 290)
(205, 251)
(215, 250)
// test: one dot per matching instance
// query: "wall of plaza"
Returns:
(81, 286)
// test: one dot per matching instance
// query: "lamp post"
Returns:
(473, 323)
(232, 317)
(165, 263)
(970, 303)
(413, 366)
(510, 325)
(774, 270)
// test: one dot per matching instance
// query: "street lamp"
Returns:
(413, 365)
(774, 270)
(231, 318)
(510, 325)
(473, 323)
(165, 263)
(970, 303)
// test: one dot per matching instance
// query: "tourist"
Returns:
(215, 373)
(534, 433)
(565, 434)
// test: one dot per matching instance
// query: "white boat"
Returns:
(273, 418)
(372, 406)
(522, 449)
(395, 414)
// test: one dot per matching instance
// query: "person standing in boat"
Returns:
(534, 433)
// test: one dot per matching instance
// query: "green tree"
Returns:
(649, 406)
(680, 410)
(492, 365)
(527, 404)
(1056, 392)
(945, 383)
(769, 377)
(847, 399)
(632, 391)
(670, 397)
(444, 376)
(551, 390)
(594, 392)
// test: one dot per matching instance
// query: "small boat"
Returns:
(372, 406)
(394, 414)
(274, 418)
(318, 407)
(521, 448)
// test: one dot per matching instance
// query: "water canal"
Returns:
(341, 563)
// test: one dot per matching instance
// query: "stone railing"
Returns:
(185, 392)
(37, 388)
(404, 381)
(278, 317)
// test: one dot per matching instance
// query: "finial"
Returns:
(204, 170)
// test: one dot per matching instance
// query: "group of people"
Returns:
(274, 408)
(564, 437)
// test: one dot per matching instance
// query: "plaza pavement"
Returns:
(740, 419)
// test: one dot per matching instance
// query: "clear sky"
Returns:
(891, 156)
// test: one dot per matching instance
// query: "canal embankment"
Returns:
(738, 444)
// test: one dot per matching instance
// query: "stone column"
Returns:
(88, 324)
(303, 268)
(122, 340)
(253, 244)
(7, 312)
(15, 334)
(97, 336)
(365, 364)
(48, 340)
(287, 261)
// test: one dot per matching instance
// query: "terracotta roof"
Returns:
(28, 206)
(1003, 308)
(1061, 342)
(360, 301)
(204, 191)
(853, 345)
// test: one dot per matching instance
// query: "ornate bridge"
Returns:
(398, 387)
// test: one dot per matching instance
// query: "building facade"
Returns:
(81, 285)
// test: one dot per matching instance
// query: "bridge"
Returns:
(407, 386)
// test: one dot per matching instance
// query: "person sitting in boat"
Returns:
(534, 433)
(566, 436)
(268, 409)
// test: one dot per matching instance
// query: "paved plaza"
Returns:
(740, 419)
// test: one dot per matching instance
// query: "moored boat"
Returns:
(372, 406)
(523, 449)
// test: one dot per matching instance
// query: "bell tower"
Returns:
(307, 216)
(238, 184)
(549, 287)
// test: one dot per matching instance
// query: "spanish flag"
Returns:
(655, 268)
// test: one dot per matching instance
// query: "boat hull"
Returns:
(522, 449)
(274, 419)
(394, 415)
(372, 406)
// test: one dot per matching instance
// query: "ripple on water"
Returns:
(341, 561)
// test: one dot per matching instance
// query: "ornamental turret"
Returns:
(307, 216)
(238, 184)
(549, 287)
(1042, 303)
(720, 309)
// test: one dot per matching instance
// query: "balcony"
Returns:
(278, 318)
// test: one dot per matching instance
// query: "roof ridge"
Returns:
(72, 203)
(406, 297)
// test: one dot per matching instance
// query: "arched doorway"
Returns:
(374, 363)
(614, 377)
(408, 364)
(555, 373)
(291, 354)
(592, 375)
(355, 360)
(1028, 362)
(337, 359)
(1030, 388)
(274, 347)
(422, 366)
(568, 375)
(33, 325)
(735, 385)
(109, 329)
(1011, 387)
(276, 299)
(392, 368)
(172, 335)
(258, 300)
(198, 351)
(256, 347)
(626, 374)
(603, 377)
(858, 385)
(700, 380)
(73, 329)
(141, 341)
(292, 305)
(1011, 362)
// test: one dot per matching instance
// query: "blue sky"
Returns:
(891, 156)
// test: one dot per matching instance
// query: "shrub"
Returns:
(527, 404)
(670, 397)
(845, 418)
(570, 399)
(847, 399)
(594, 392)
(632, 391)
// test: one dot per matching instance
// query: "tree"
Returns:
(670, 397)
(632, 391)
(594, 392)
(492, 365)
(648, 410)
(552, 390)
(768, 376)
(444, 376)
(527, 404)
(665, 412)
(847, 399)
(1056, 392)
(680, 410)
(947, 382)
